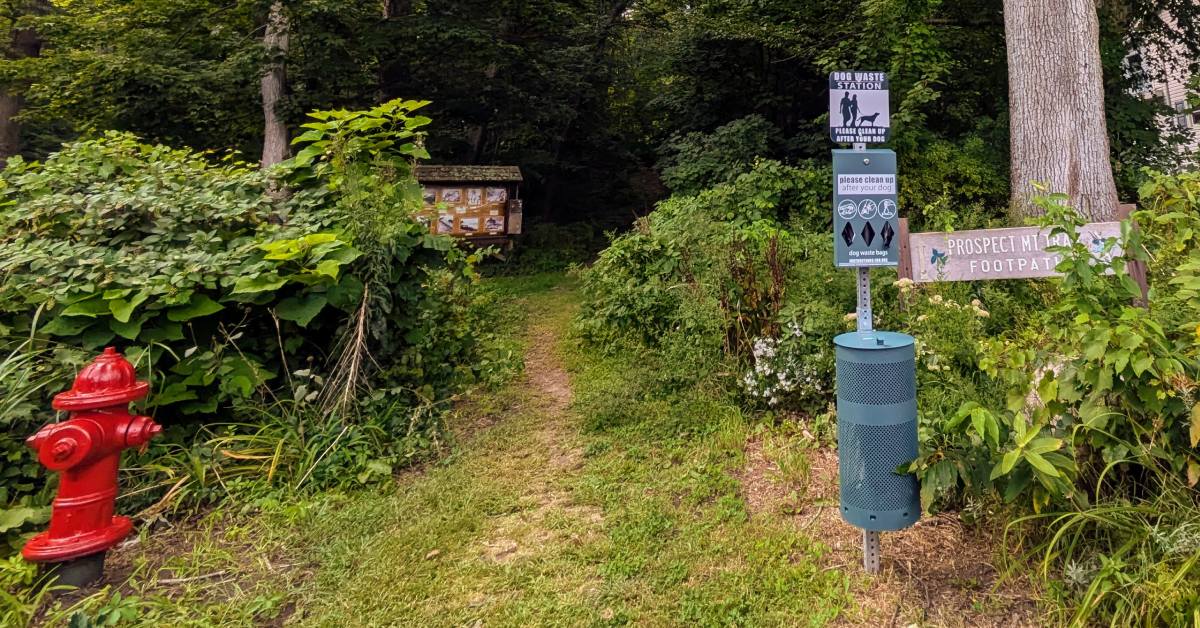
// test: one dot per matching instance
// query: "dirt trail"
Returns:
(539, 527)
(551, 386)
(936, 573)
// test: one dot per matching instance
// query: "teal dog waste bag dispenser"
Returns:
(877, 429)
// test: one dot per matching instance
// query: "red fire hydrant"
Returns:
(86, 451)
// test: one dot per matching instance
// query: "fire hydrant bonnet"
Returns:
(110, 380)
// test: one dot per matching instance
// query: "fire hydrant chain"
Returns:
(86, 451)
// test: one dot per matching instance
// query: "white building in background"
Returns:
(1173, 91)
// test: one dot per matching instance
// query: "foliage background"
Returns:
(292, 341)
(598, 101)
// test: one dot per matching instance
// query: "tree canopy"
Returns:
(592, 98)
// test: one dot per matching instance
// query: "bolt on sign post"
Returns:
(876, 370)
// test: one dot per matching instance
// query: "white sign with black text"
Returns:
(859, 107)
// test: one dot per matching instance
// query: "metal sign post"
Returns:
(871, 543)
(876, 371)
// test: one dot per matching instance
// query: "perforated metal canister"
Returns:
(877, 429)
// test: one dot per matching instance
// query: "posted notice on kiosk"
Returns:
(866, 184)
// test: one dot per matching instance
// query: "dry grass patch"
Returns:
(937, 572)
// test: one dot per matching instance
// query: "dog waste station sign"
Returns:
(876, 370)
(859, 107)
(866, 220)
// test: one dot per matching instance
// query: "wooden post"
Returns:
(1136, 268)
(904, 270)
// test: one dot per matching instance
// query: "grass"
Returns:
(590, 501)
(539, 522)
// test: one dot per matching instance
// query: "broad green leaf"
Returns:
(1019, 425)
(1096, 346)
(308, 153)
(239, 384)
(1016, 483)
(122, 309)
(1104, 379)
(1006, 464)
(1131, 287)
(1014, 401)
(300, 309)
(979, 422)
(1132, 341)
(13, 518)
(1193, 472)
(258, 283)
(1195, 427)
(172, 394)
(957, 418)
(1038, 462)
(993, 431)
(1120, 359)
(346, 293)
(91, 307)
(329, 268)
(437, 242)
(96, 336)
(161, 331)
(200, 305)
(1142, 363)
(940, 477)
(130, 329)
(1048, 388)
(311, 135)
(65, 326)
(1044, 445)
(318, 238)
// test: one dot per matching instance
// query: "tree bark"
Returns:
(396, 8)
(477, 133)
(25, 42)
(599, 49)
(273, 84)
(1056, 106)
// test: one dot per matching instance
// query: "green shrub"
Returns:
(324, 324)
(721, 252)
(698, 161)
(547, 247)
(717, 280)
(1097, 429)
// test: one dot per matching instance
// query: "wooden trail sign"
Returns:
(1013, 253)
(1010, 253)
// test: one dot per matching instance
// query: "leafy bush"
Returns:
(1111, 379)
(112, 240)
(1097, 428)
(326, 321)
(717, 274)
(22, 378)
(698, 161)
(1062, 404)
(547, 247)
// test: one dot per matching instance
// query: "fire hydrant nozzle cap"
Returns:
(110, 380)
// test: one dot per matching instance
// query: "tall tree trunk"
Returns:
(477, 133)
(274, 82)
(1056, 105)
(25, 42)
(396, 8)
(599, 48)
